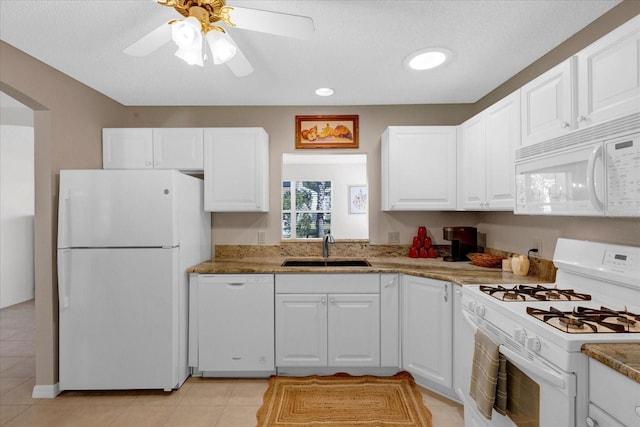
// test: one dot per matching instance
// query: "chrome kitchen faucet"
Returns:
(328, 238)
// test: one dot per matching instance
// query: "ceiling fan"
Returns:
(199, 30)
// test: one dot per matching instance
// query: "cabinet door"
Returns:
(301, 330)
(463, 344)
(390, 319)
(472, 165)
(127, 148)
(426, 329)
(419, 168)
(502, 137)
(609, 75)
(236, 326)
(548, 104)
(177, 148)
(354, 330)
(236, 170)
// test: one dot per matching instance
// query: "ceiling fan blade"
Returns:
(150, 42)
(239, 64)
(280, 24)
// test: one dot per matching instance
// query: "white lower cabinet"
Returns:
(463, 345)
(614, 398)
(327, 320)
(231, 326)
(426, 331)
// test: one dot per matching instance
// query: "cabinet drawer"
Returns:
(614, 393)
(310, 283)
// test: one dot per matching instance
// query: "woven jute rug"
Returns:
(343, 400)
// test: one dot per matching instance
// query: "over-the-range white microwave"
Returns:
(591, 172)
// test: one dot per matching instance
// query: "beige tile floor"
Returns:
(199, 402)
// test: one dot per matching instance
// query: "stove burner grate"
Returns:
(588, 320)
(533, 293)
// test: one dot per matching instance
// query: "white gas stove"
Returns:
(541, 328)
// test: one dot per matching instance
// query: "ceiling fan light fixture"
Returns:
(222, 50)
(187, 35)
(427, 59)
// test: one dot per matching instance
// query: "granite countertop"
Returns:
(463, 273)
(621, 357)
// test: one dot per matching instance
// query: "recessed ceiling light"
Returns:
(427, 59)
(324, 91)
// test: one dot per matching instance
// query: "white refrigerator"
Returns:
(125, 240)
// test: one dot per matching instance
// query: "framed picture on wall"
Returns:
(358, 199)
(327, 131)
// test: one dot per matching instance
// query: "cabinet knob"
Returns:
(564, 125)
(390, 283)
(147, 163)
(323, 300)
(582, 118)
(637, 409)
(332, 301)
(591, 422)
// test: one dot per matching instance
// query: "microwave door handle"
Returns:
(591, 179)
(534, 369)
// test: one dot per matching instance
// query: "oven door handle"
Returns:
(533, 369)
(467, 318)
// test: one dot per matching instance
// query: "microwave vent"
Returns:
(600, 132)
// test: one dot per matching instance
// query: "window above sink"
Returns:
(324, 185)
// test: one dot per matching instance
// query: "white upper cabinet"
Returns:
(486, 144)
(236, 170)
(473, 169)
(146, 148)
(419, 168)
(609, 75)
(129, 148)
(502, 130)
(548, 104)
(177, 148)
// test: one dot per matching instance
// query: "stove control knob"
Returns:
(520, 335)
(471, 306)
(591, 422)
(479, 310)
(533, 344)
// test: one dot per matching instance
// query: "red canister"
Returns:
(422, 232)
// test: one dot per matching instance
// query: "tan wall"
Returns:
(69, 117)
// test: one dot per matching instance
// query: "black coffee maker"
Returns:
(464, 240)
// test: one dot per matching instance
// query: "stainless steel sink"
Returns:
(359, 262)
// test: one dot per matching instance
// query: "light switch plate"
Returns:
(393, 237)
(262, 237)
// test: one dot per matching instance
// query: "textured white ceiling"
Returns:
(358, 49)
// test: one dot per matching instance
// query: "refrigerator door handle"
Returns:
(64, 223)
(64, 282)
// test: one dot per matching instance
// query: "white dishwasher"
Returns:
(231, 325)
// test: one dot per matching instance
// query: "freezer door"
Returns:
(118, 208)
(119, 319)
